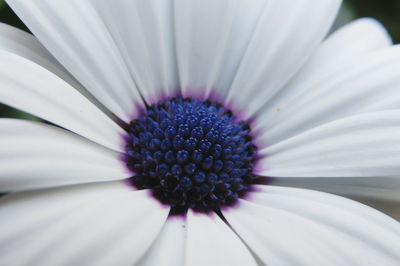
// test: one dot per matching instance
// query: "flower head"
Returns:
(178, 129)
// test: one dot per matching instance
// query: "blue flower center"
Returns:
(191, 154)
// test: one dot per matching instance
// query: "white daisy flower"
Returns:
(182, 125)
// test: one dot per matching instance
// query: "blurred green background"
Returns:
(386, 11)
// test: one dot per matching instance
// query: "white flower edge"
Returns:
(286, 226)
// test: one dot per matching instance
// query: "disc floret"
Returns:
(191, 154)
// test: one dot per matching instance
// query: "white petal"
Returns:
(286, 226)
(348, 45)
(36, 155)
(286, 35)
(26, 45)
(144, 34)
(391, 208)
(211, 242)
(358, 146)
(381, 192)
(31, 88)
(48, 206)
(211, 39)
(377, 188)
(352, 42)
(364, 85)
(170, 245)
(85, 48)
(21, 43)
(110, 228)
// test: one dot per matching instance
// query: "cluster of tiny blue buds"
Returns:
(191, 154)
